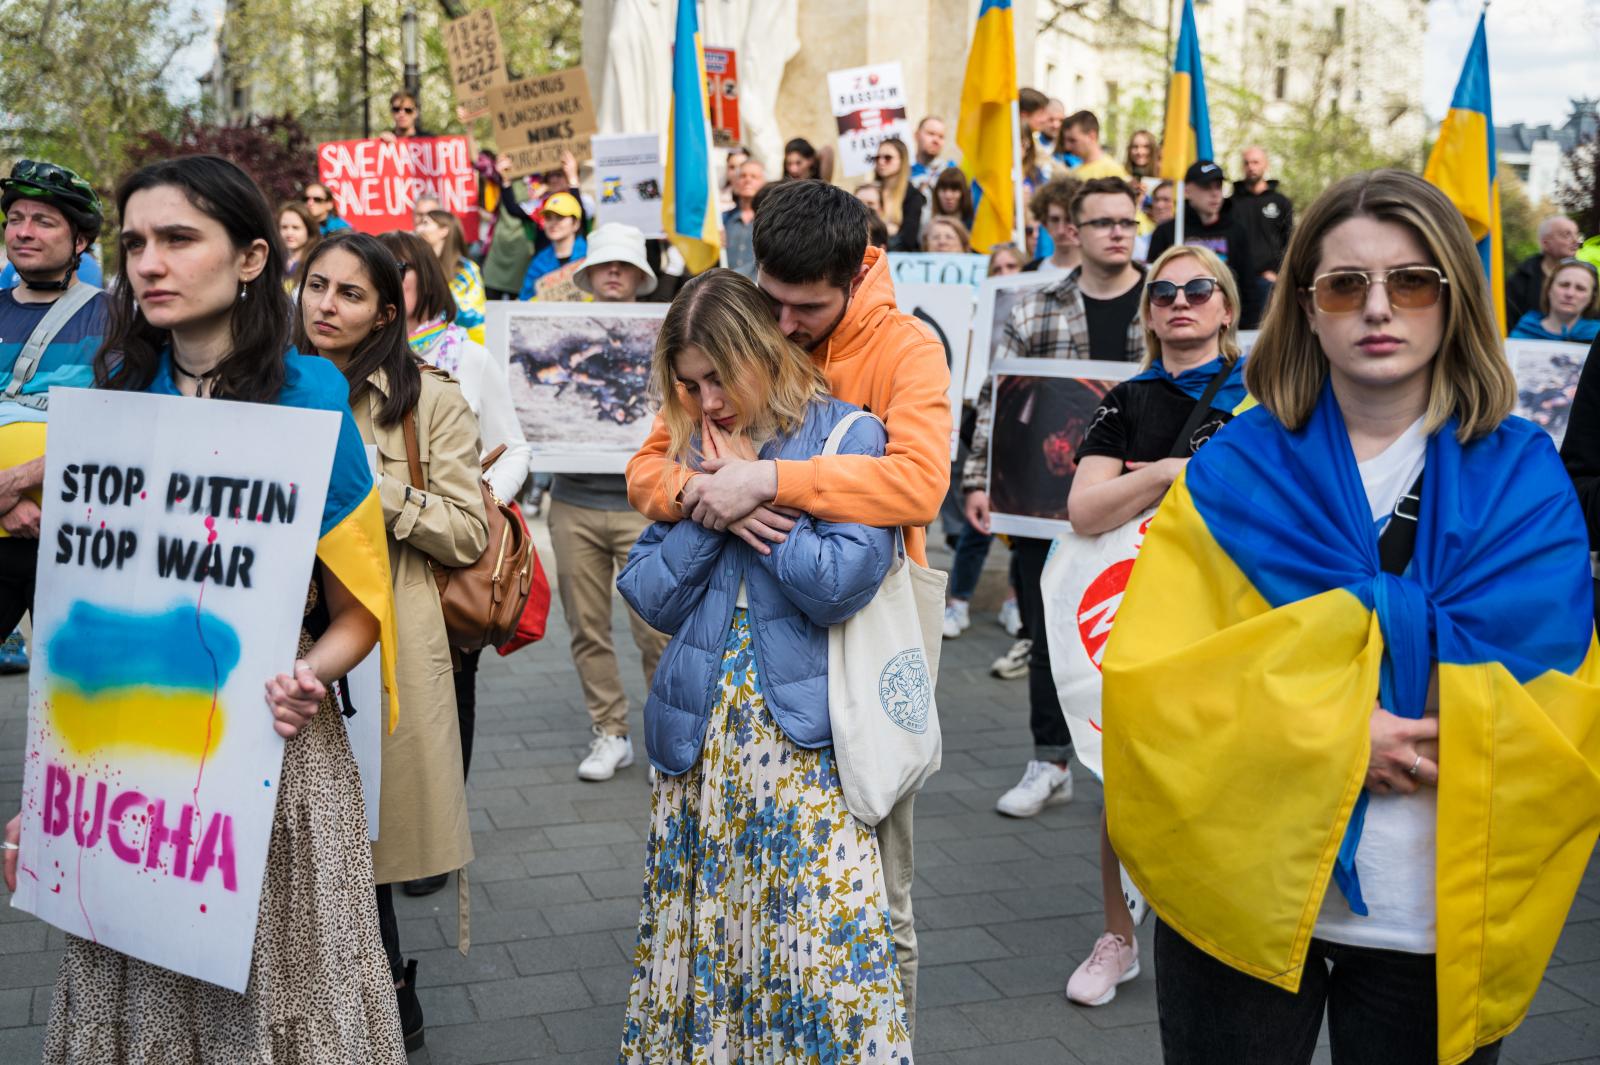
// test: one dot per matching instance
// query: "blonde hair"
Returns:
(892, 189)
(1471, 379)
(955, 226)
(1228, 339)
(772, 380)
(1589, 270)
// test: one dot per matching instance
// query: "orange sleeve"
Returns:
(654, 480)
(908, 484)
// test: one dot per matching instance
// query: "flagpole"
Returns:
(1179, 210)
(1019, 231)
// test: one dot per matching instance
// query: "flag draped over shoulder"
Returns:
(689, 208)
(1187, 136)
(988, 140)
(1463, 165)
(1244, 665)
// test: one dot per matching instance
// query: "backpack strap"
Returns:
(1398, 541)
(836, 438)
(1202, 407)
(54, 320)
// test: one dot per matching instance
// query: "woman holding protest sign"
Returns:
(1330, 697)
(201, 312)
(442, 230)
(1141, 438)
(352, 313)
(751, 841)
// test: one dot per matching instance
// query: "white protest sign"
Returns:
(937, 268)
(176, 550)
(627, 176)
(869, 107)
(947, 312)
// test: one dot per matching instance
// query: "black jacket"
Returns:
(1267, 218)
(1523, 288)
(1580, 449)
(1227, 237)
(909, 237)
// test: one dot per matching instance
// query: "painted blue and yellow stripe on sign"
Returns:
(1254, 638)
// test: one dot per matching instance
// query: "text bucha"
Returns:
(205, 559)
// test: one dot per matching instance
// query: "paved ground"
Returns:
(1005, 908)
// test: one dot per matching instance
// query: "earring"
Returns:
(244, 290)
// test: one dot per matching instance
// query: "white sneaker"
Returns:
(1113, 961)
(1138, 908)
(1010, 617)
(607, 754)
(956, 619)
(1042, 784)
(1013, 665)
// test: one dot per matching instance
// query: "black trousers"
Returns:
(1052, 741)
(1382, 1008)
(19, 563)
(467, 705)
(389, 931)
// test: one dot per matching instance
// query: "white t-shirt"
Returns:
(1395, 858)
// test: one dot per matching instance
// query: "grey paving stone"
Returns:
(16, 1007)
(529, 996)
(566, 953)
(1582, 980)
(486, 1042)
(535, 892)
(952, 945)
(598, 1028)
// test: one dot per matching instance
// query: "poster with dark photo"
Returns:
(1547, 374)
(1042, 410)
(997, 296)
(579, 377)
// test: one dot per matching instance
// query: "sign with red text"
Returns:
(175, 556)
(477, 61)
(538, 118)
(722, 92)
(376, 184)
(869, 106)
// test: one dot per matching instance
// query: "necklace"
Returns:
(200, 379)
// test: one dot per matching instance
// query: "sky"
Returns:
(1541, 54)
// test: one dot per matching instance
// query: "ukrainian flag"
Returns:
(1187, 137)
(1463, 165)
(1256, 633)
(988, 139)
(689, 209)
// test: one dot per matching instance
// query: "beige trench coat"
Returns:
(422, 818)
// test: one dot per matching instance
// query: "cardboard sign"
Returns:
(946, 310)
(722, 91)
(558, 286)
(376, 185)
(627, 174)
(176, 549)
(477, 62)
(536, 119)
(869, 106)
(937, 268)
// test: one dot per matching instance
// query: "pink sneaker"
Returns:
(1113, 961)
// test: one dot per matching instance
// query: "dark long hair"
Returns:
(254, 372)
(434, 297)
(386, 348)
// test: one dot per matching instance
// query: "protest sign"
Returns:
(1547, 374)
(869, 107)
(722, 92)
(996, 298)
(579, 376)
(558, 286)
(177, 542)
(1042, 409)
(472, 45)
(937, 268)
(947, 312)
(376, 184)
(536, 119)
(627, 173)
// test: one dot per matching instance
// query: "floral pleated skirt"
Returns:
(764, 933)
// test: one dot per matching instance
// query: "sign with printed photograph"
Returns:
(627, 175)
(1547, 374)
(538, 118)
(869, 107)
(376, 184)
(996, 298)
(1042, 410)
(937, 268)
(477, 61)
(579, 375)
(176, 549)
(946, 310)
(722, 93)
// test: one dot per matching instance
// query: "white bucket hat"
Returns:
(615, 242)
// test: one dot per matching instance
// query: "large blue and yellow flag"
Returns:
(689, 208)
(1187, 136)
(1463, 165)
(1256, 635)
(985, 132)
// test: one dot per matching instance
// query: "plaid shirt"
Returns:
(1049, 323)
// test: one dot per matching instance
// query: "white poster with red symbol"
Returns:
(869, 105)
(1083, 584)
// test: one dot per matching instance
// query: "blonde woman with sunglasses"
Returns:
(1350, 700)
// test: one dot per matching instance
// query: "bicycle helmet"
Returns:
(57, 186)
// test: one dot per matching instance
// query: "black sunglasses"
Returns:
(1196, 290)
(403, 110)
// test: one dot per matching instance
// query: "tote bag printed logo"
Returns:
(1098, 608)
(905, 692)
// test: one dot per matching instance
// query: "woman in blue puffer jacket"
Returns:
(764, 933)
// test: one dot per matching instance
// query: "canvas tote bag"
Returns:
(883, 664)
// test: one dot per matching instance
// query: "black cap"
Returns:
(1203, 172)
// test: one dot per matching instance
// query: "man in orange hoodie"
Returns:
(833, 296)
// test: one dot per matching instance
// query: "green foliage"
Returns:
(1580, 193)
(1519, 220)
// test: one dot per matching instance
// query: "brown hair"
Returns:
(1151, 168)
(952, 178)
(1100, 186)
(1005, 249)
(1228, 339)
(953, 223)
(1593, 308)
(1471, 379)
(313, 233)
(1057, 192)
(455, 241)
(434, 297)
(1083, 121)
(726, 316)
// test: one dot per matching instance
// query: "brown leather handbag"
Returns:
(484, 601)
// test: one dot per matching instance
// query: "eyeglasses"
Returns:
(1408, 287)
(1196, 290)
(316, 199)
(403, 110)
(1109, 225)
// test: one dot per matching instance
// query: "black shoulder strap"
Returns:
(1180, 446)
(1398, 541)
